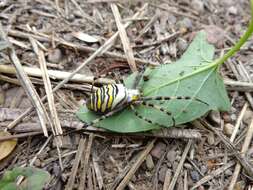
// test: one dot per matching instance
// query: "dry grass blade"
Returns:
(239, 85)
(55, 124)
(136, 165)
(79, 154)
(124, 38)
(99, 51)
(244, 149)
(213, 174)
(55, 74)
(50, 97)
(85, 164)
(238, 122)
(97, 171)
(180, 165)
(28, 86)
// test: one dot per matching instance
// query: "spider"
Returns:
(112, 98)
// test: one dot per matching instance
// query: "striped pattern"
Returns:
(107, 98)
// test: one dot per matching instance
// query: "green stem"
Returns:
(242, 40)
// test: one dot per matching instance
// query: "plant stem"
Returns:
(242, 40)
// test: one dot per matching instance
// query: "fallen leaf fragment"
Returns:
(6, 147)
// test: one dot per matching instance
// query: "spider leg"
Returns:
(109, 114)
(161, 98)
(154, 107)
(138, 77)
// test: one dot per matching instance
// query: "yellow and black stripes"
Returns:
(106, 98)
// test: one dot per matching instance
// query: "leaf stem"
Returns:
(242, 40)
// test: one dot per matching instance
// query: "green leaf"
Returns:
(34, 179)
(193, 75)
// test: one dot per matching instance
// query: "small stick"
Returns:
(79, 154)
(238, 122)
(86, 162)
(167, 179)
(55, 74)
(244, 149)
(124, 38)
(97, 171)
(213, 174)
(180, 165)
(136, 165)
(239, 85)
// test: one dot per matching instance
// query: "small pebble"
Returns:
(158, 150)
(233, 10)
(194, 175)
(182, 44)
(247, 116)
(240, 185)
(210, 139)
(149, 162)
(55, 56)
(186, 23)
(233, 117)
(197, 5)
(188, 166)
(201, 187)
(226, 118)
(162, 173)
(174, 166)
(215, 116)
(37, 163)
(171, 156)
(228, 129)
(215, 35)
(228, 172)
(203, 169)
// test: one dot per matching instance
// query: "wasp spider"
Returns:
(112, 98)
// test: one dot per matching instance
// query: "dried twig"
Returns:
(244, 149)
(239, 85)
(180, 165)
(97, 170)
(136, 165)
(79, 154)
(238, 122)
(124, 38)
(213, 174)
(55, 124)
(55, 74)
(86, 162)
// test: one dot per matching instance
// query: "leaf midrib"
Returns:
(205, 68)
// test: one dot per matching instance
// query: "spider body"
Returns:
(111, 97)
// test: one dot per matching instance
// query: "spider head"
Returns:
(133, 95)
